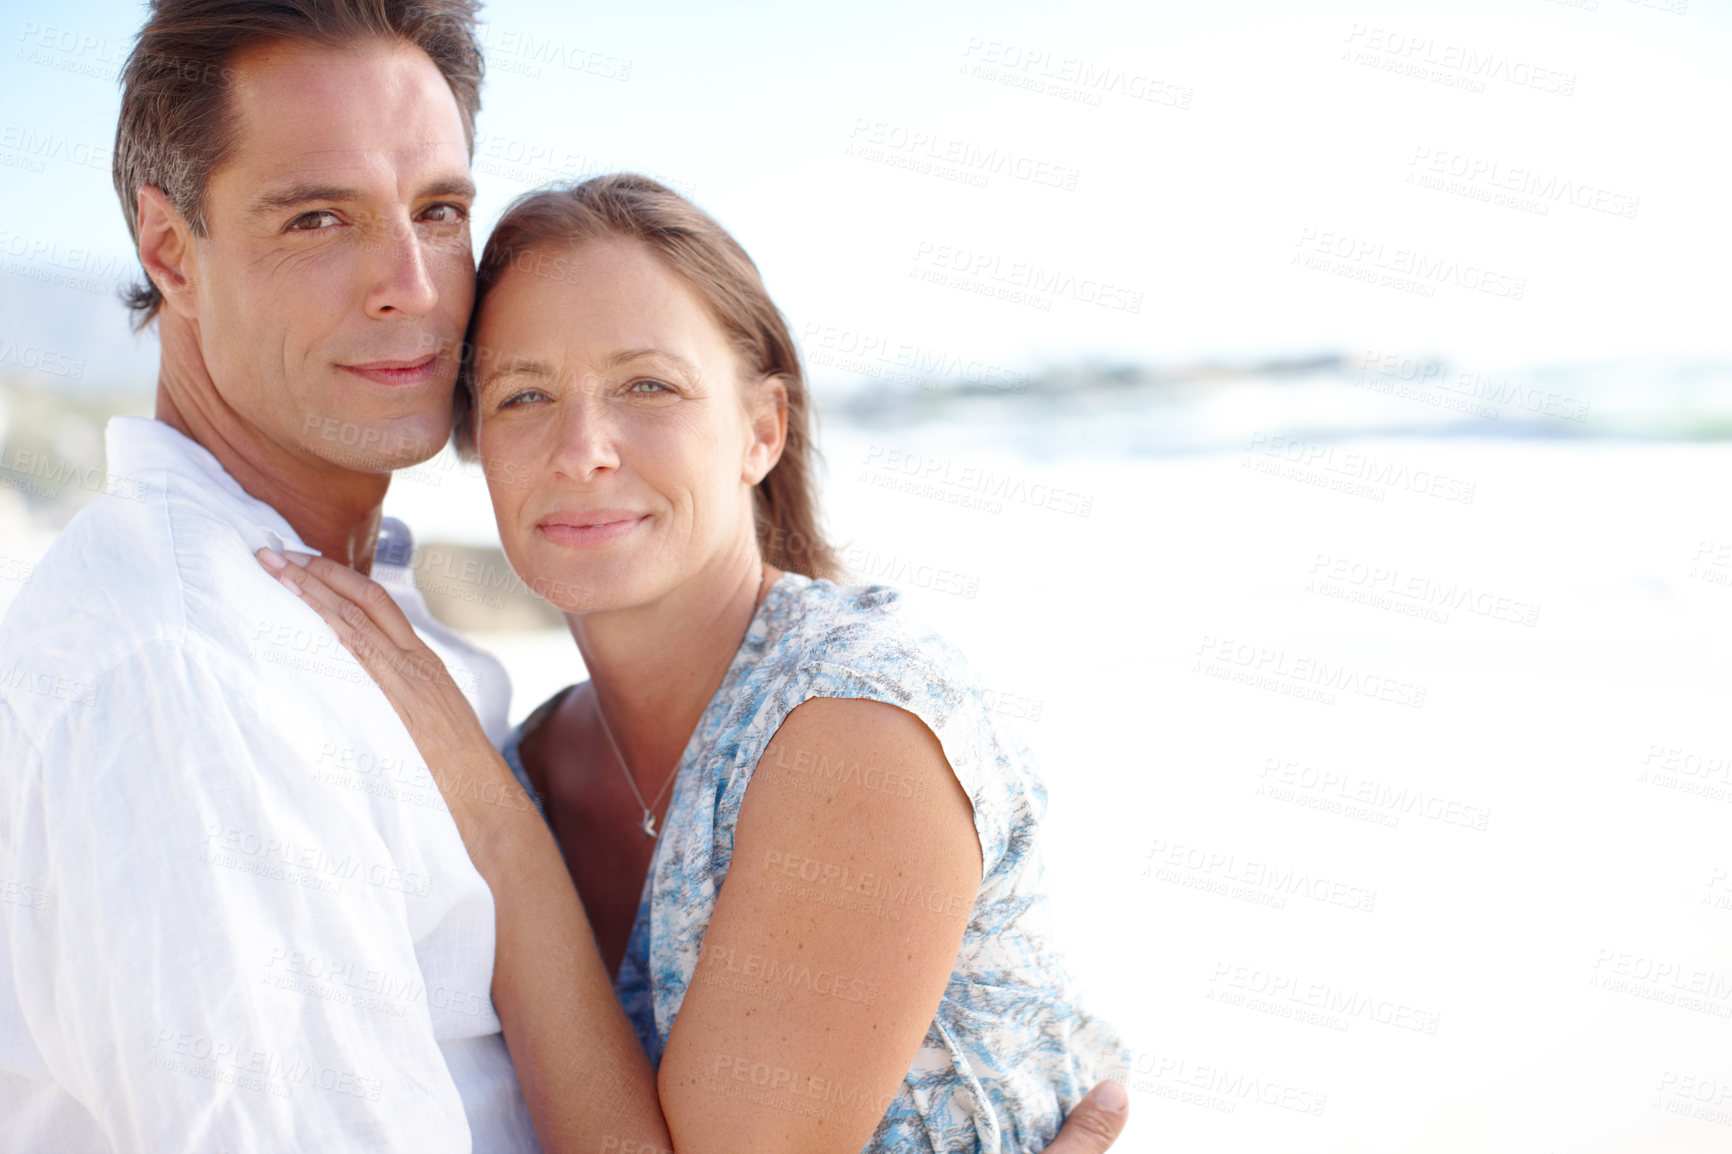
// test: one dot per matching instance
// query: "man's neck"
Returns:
(333, 509)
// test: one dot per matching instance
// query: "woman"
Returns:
(875, 971)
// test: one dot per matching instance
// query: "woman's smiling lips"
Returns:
(592, 528)
(416, 371)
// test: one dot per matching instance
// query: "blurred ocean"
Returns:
(1382, 706)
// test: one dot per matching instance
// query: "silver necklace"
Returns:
(649, 815)
(648, 824)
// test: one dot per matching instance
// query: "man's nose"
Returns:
(401, 283)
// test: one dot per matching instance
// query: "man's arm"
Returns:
(227, 959)
(1096, 1123)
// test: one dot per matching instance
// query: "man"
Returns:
(239, 916)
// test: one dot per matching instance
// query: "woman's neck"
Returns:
(654, 668)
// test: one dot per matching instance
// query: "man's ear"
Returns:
(165, 249)
(768, 413)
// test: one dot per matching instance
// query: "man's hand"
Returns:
(1095, 1123)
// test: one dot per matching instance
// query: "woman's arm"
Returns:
(583, 1072)
(832, 940)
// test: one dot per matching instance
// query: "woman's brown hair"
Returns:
(701, 253)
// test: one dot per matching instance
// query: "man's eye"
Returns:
(445, 214)
(313, 221)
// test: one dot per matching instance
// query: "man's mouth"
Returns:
(406, 371)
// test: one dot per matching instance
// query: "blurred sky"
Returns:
(1199, 141)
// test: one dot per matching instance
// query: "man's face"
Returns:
(336, 276)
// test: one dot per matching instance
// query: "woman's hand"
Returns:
(474, 780)
(582, 1070)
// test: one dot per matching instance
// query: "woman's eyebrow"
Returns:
(517, 366)
(625, 356)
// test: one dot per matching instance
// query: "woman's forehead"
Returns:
(600, 301)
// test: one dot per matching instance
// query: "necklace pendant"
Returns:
(649, 824)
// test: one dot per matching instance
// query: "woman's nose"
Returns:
(587, 436)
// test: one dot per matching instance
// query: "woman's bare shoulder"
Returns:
(550, 736)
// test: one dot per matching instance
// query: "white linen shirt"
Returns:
(235, 913)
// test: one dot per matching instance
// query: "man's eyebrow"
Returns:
(296, 195)
(459, 186)
(299, 194)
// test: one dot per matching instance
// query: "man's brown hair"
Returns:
(176, 126)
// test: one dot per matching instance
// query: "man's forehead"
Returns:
(317, 122)
(361, 110)
(423, 160)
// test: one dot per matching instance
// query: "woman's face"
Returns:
(619, 441)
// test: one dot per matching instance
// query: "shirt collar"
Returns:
(140, 446)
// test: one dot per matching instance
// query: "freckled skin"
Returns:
(648, 434)
(666, 435)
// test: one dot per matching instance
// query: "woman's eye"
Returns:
(445, 214)
(523, 395)
(316, 221)
(647, 387)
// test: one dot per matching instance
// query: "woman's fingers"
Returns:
(427, 700)
(364, 592)
(380, 654)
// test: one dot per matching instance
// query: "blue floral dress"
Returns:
(1010, 1051)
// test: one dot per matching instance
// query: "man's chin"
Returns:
(380, 445)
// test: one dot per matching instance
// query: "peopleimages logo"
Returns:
(881, 140)
(1337, 1006)
(1292, 781)
(962, 482)
(1066, 77)
(877, 355)
(1268, 883)
(1458, 65)
(1528, 187)
(1350, 470)
(1419, 594)
(1312, 678)
(1367, 258)
(1019, 282)
(1477, 393)
(38, 359)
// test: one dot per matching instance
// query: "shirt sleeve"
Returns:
(222, 956)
